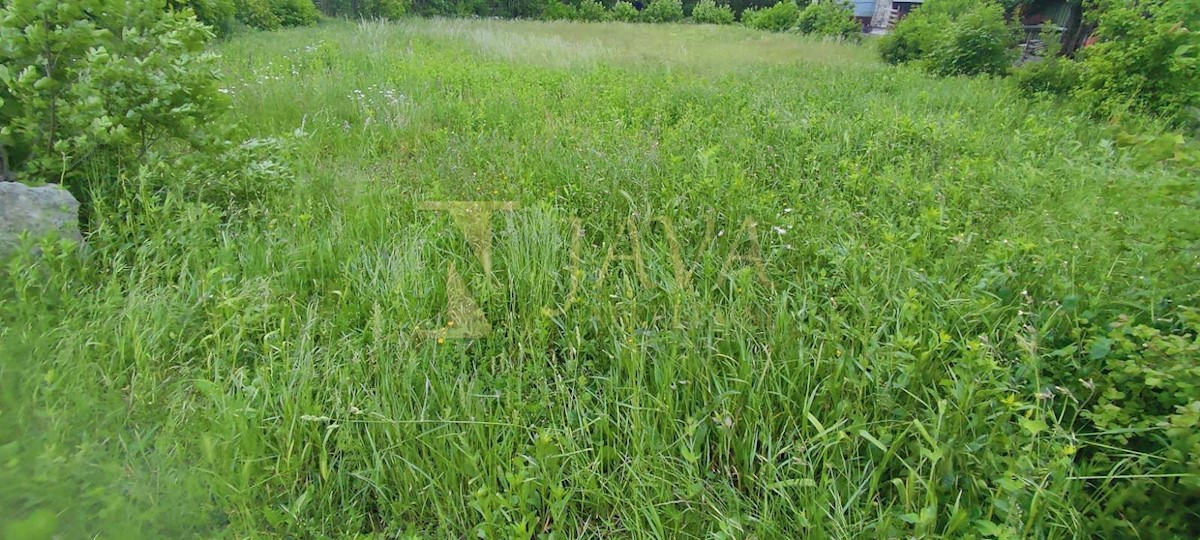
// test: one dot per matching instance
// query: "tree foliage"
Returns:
(99, 82)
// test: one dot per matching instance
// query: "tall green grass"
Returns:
(930, 247)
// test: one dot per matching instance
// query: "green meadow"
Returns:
(751, 285)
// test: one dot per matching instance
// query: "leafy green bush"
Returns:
(777, 18)
(917, 34)
(829, 18)
(257, 14)
(1053, 75)
(624, 11)
(558, 11)
(364, 9)
(591, 10)
(1147, 58)
(952, 37)
(909, 40)
(217, 14)
(99, 82)
(1140, 391)
(295, 12)
(273, 14)
(709, 12)
(978, 42)
(663, 11)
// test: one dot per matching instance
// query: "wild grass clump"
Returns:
(750, 292)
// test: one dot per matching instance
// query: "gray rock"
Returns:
(38, 210)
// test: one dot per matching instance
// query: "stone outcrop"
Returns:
(39, 211)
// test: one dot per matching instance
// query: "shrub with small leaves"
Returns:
(217, 14)
(295, 12)
(364, 9)
(829, 18)
(663, 11)
(1147, 58)
(978, 42)
(257, 14)
(916, 35)
(558, 11)
(624, 12)
(709, 12)
(591, 10)
(776, 18)
(1050, 73)
(953, 37)
(1140, 391)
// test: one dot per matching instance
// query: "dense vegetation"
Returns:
(758, 285)
(1146, 59)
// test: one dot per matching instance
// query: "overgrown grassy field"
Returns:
(865, 303)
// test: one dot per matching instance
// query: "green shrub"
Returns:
(978, 42)
(1140, 386)
(591, 10)
(257, 14)
(776, 18)
(917, 34)
(952, 37)
(558, 11)
(81, 90)
(663, 11)
(1147, 58)
(364, 9)
(709, 12)
(1053, 75)
(829, 18)
(623, 11)
(295, 12)
(908, 41)
(217, 14)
